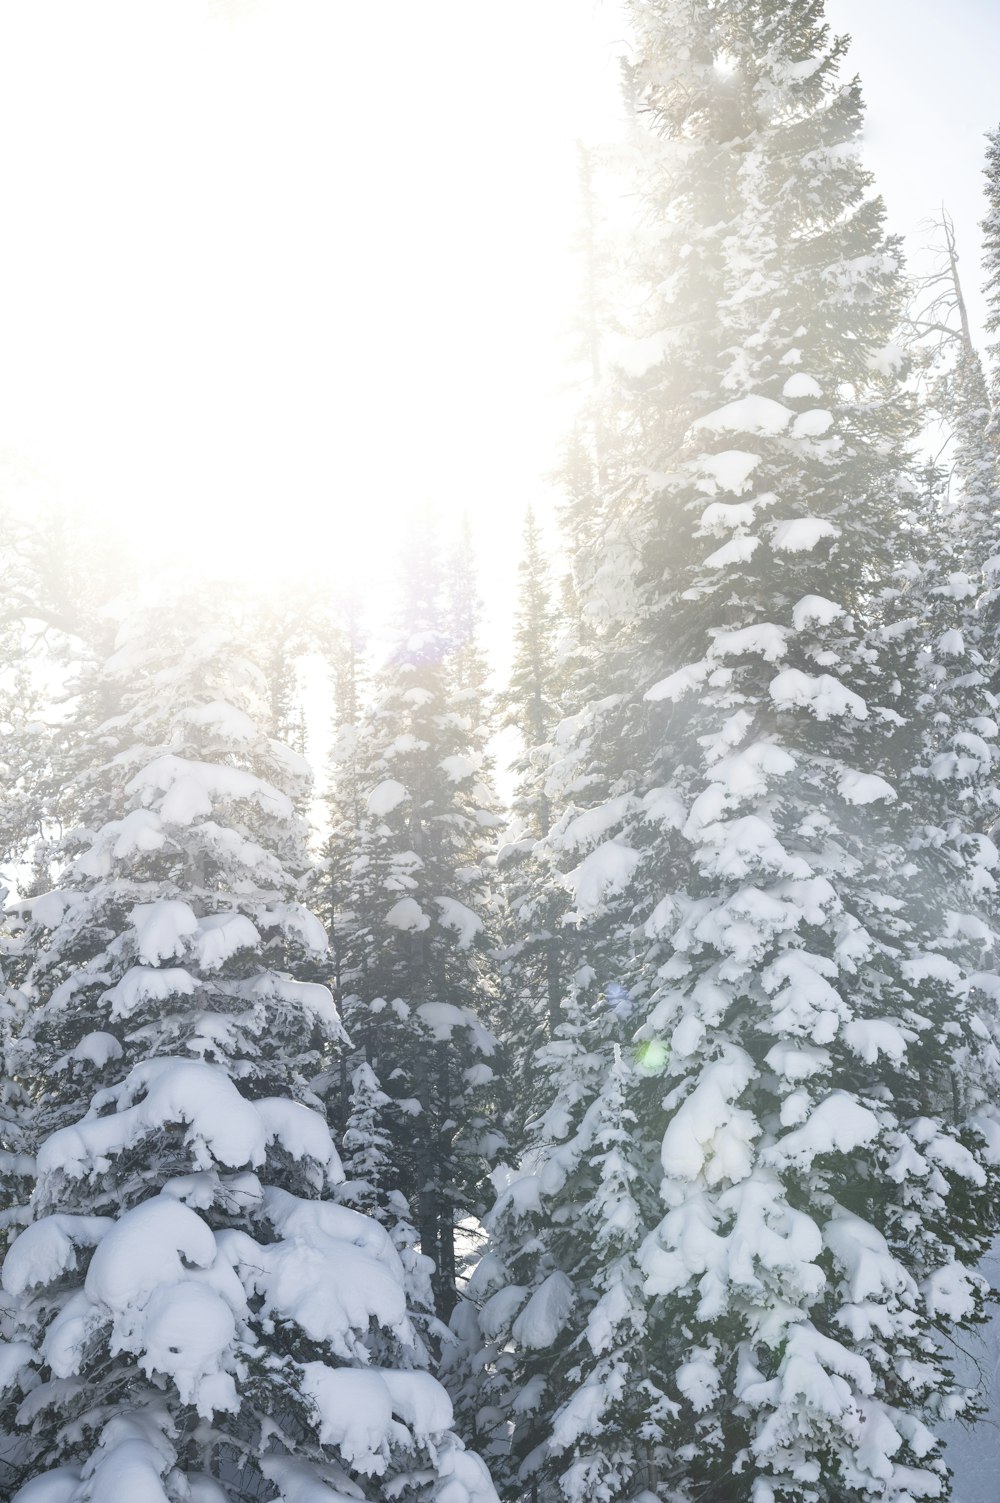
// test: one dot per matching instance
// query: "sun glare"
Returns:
(315, 279)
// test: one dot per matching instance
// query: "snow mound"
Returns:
(606, 871)
(708, 1135)
(442, 1018)
(801, 385)
(679, 683)
(228, 723)
(824, 695)
(48, 1248)
(147, 1281)
(93, 1049)
(545, 1314)
(407, 914)
(838, 1124)
(951, 644)
(766, 639)
(355, 1409)
(870, 1037)
(726, 516)
(589, 826)
(865, 788)
(223, 1127)
(142, 984)
(162, 929)
(459, 768)
(812, 424)
(814, 610)
(728, 471)
(736, 551)
(801, 534)
(752, 414)
(50, 908)
(462, 920)
(385, 797)
(140, 831)
(220, 936)
(190, 789)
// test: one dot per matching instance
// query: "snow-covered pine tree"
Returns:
(189, 1315)
(991, 265)
(418, 977)
(792, 973)
(558, 1351)
(962, 514)
(948, 575)
(537, 1406)
(533, 898)
(368, 1156)
(366, 1148)
(56, 586)
(16, 1163)
(817, 1001)
(347, 1083)
(343, 648)
(949, 586)
(54, 627)
(990, 226)
(291, 622)
(464, 620)
(533, 704)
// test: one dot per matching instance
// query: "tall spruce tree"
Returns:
(463, 620)
(417, 973)
(991, 260)
(189, 1315)
(534, 901)
(544, 1254)
(961, 517)
(991, 264)
(949, 579)
(343, 648)
(752, 872)
(531, 702)
(55, 624)
(369, 1177)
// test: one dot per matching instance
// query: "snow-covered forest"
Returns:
(563, 1069)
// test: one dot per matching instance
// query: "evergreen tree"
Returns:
(54, 625)
(991, 263)
(344, 650)
(511, 1390)
(368, 1157)
(960, 527)
(555, 1368)
(532, 702)
(750, 871)
(16, 1163)
(366, 1147)
(948, 584)
(189, 1315)
(986, 481)
(464, 617)
(418, 982)
(534, 901)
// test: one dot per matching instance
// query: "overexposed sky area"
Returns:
(273, 271)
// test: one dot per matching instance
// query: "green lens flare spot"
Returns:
(652, 1057)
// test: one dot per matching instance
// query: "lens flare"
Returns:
(652, 1057)
(617, 999)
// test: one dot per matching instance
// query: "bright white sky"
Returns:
(272, 271)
